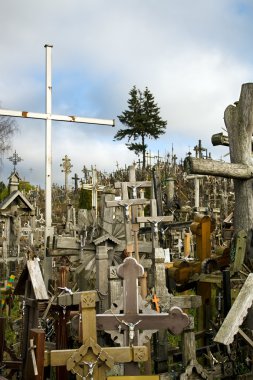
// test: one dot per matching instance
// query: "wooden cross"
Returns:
(154, 220)
(131, 320)
(94, 187)
(156, 301)
(135, 318)
(199, 149)
(240, 148)
(49, 117)
(91, 360)
(130, 205)
(76, 179)
(127, 205)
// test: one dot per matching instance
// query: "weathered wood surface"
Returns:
(239, 123)
(38, 337)
(127, 202)
(240, 250)
(217, 168)
(67, 242)
(220, 139)
(119, 354)
(153, 219)
(237, 313)
(238, 120)
(38, 283)
(140, 184)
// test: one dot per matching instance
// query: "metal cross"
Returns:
(48, 117)
(15, 159)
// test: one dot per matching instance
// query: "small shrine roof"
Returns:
(12, 198)
(106, 237)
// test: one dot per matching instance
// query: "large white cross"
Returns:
(48, 117)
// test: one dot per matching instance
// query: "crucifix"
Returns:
(127, 205)
(76, 179)
(91, 361)
(199, 149)
(66, 169)
(132, 320)
(49, 117)
(130, 206)
(94, 187)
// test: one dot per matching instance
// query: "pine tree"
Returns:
(142, 121)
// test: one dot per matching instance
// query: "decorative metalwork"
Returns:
(15, 159)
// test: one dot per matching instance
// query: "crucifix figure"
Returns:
(49, 117)
(131, 327)
(91, 366)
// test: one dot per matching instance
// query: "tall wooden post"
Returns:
(201, 227)
(102, 275)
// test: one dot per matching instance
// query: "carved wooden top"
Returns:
(130, 271)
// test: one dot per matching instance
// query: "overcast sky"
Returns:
(192, 55)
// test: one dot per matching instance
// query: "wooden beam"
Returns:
(217, 168)
(220, 139)
(56, 358)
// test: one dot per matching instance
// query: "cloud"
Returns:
(192, 56)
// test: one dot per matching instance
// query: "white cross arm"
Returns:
(46, 116)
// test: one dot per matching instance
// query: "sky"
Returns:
(192, 55)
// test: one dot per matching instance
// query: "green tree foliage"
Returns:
(142, 120)
(3, 191)
(85, 199)
(25, 186)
